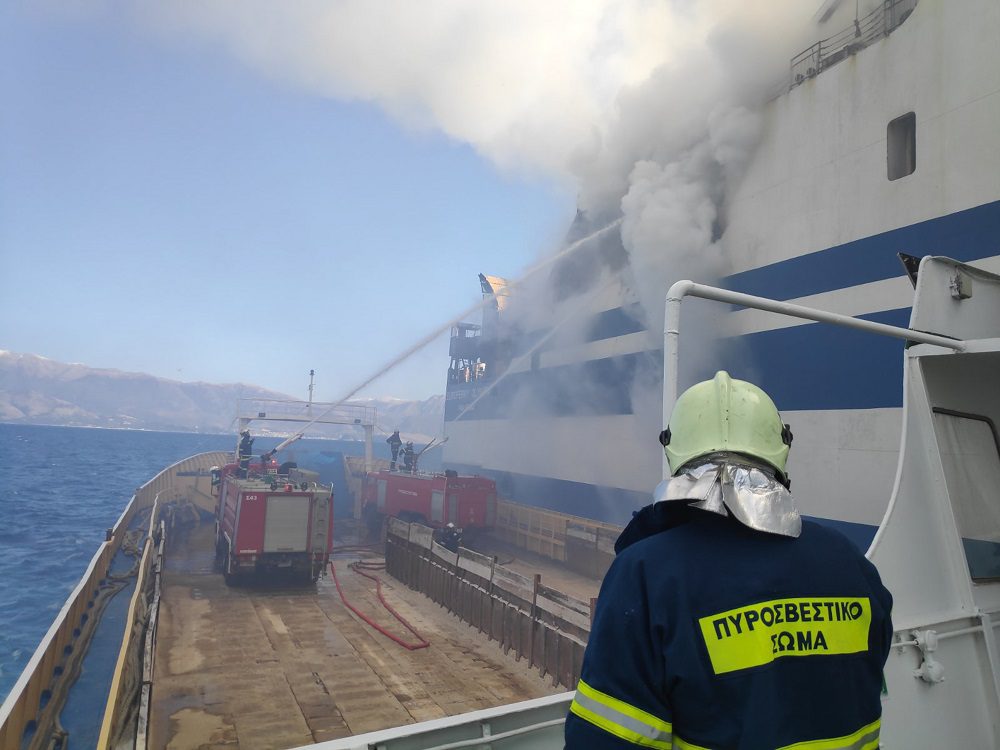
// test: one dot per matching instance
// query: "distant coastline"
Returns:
(39, 391)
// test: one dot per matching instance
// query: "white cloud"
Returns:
(645, 106)
(549, 86)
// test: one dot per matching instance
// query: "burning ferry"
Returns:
(882, 145)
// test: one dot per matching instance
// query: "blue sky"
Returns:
(213, 190)
(166, 209)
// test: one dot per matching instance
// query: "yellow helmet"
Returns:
(726, 415)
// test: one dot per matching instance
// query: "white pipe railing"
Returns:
(686, 288)
(538, 718)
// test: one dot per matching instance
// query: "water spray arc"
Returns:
(537, 345)
(428, 338)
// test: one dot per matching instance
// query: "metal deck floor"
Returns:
(279, 666)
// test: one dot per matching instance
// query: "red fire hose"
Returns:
(423, 643)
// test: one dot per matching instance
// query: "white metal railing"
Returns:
(881, 22)
(686, 288)
(538, 722)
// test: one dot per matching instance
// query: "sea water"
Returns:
(62, 487)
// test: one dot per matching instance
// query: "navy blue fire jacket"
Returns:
(708, 634)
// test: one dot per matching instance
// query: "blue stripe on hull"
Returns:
(818, 367)
(608, 504)
(596, 386)
(823, 375)
(966, 236)
(805, 367)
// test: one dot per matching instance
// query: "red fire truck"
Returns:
(269, 521)
(431, 499)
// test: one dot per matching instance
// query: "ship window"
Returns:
(970, 454)
(901, 138)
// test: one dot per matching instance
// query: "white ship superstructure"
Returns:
(886, 142)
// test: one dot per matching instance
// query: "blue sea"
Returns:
(62, 487)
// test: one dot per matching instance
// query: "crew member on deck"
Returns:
(409, 458)
(245, 449)
(395, 442)
(451, 539)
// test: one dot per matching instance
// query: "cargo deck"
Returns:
(284, 666)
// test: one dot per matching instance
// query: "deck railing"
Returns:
(584, 545)
(31, 702)
(126, 683)
(545, 626)
(881, 22)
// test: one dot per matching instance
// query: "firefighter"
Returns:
(725, 620)
(409, 458)
(245, 449)
(395, 442)
(452, 538)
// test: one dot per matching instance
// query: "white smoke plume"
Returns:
(642, 105)
(578, 89)
(650, 109)
(645, 107)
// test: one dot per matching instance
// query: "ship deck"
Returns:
(275, 665)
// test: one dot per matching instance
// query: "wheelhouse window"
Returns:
(901, 139)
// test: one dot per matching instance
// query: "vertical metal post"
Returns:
(534, 615)
(671, 353)
(595, 560)
(493, 570)
(369, 430)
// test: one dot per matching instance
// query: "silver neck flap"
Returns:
(727, 485)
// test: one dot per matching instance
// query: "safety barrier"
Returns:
(545, 626)
(585, 545)
(149, 648)
(22, 709)
(183, 480)
(31, 703)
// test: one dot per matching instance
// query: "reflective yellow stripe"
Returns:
(641, 728)
(865, 738)
(620, 719)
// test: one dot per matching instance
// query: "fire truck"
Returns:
(435, 500)
(271, 521)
